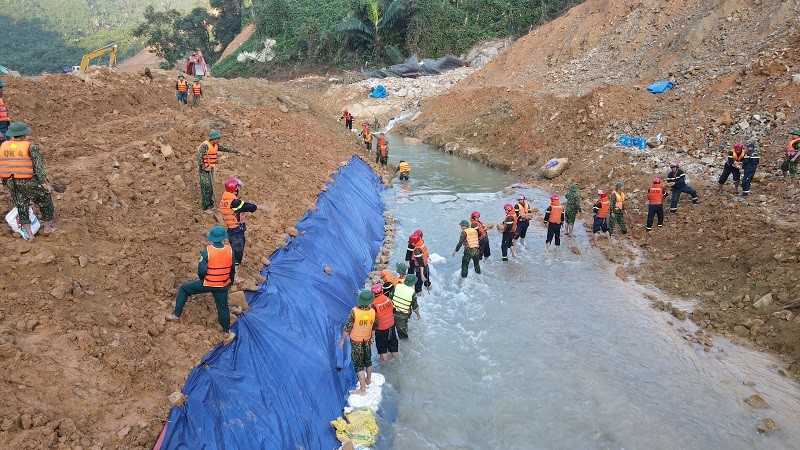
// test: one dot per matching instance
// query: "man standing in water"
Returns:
(469, 239)
(601, 210)
(509, 228)
(572, 209)
(483, 235)
(359, 327)
(405, 302)
(553, 218)
(523, 211)
(386, 333)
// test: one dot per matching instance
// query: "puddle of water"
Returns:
(552, 351)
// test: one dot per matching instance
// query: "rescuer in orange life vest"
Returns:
(509, 229)
(483, 234)
(216, 271)
(523, 211)
(472, 248)
(602, 208)
(386, 339)
(553, 217)
(197, 92)
(419, 263)
(382, 150)
(360, 325)
(233, 211)
(206, 162)
(655, 204)
(348, 119)
(733, 166)
(182, 89)
(4, 120)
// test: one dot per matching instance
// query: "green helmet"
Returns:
(214, 135)
(16, 129)
(464, 223)
(365, 298)
(618, 185)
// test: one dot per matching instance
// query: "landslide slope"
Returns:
(88, 359)
(573, 86)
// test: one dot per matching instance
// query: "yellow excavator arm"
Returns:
(112, 59)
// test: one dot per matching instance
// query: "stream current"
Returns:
(552, 350)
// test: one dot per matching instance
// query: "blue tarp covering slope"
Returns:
(283, 379)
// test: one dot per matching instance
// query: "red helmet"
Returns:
(418, 233)
(414, 239)
(657, 180)
(377, 289)
(508, 207)
(602, 193)
(475, 214)
(738, 146)
(553, 197)
(232, 184)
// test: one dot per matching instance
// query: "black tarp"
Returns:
(412, 67)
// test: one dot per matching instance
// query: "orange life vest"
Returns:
(381, 140)
(3, 112)
(790, 149)
(655, 196)
(514, 220)
(362, 325)
(367, 137)
(404, 167)
(619, 200)
(384, 149)
(738, 157)
(220, 262)
(210, 156)
(605, 205)
(421, 245)
(228, 214)
(183, 86)
(384, 308)
(15, 159)
(196, 88)
(481, 228)
(522, 209)
(472, 237)
(555, 213)
(347, 115)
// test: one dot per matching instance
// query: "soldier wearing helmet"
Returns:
(206, 161)
(386, 339)
(733, 166)
(509, 230)
(601, 209)
(4, 120)
(472, 248)
(676, 179)
(572, 209)
(617, 215)
(483, 234)
(553, 218)
(233, 211)
(655, 203)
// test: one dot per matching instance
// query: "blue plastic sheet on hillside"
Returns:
(378, 92)
(660, 87)
(284, 378)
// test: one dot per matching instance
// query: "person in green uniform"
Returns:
(405, 302)
(22, 172)
(472, 248)
(216, 273)
(572, 209)
(360, 326)
(617, 199)
(206, 161)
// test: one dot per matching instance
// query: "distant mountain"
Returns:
(42, 35)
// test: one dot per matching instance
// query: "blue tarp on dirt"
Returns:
(378, 92)
(284, 378)
(660, 87)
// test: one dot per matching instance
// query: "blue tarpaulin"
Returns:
(378, 92)
(660, 87)
(284, 378)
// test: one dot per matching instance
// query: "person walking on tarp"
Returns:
(676, 179)
(655, 204)
(483, 235)
(5, 122)
(617, 200)
(206, 162)
(360, 325)
(216, 272)
(733, 166)
(197, 92)
(509, 229)
(386, 339)
(553, 218)
(472, 248)
(405, 302)
(572, 209)
(405, 170)
(233, 211)
(523, 211)
(22, 172)
(750, 163)
(182, 89)
(348, 119)
(601, 209)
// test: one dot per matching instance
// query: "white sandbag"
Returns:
(362, 401)
(377, 379)
(12, 218)
(555, 167)
(434, 258)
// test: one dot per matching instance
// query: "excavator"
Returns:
(111, 49)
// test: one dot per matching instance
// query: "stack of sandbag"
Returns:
(358, 427)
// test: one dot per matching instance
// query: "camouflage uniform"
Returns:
(207, 178)
(470, 254)
(401, 318)
(360, 352)
(25, 192)
(573, 206)
(617, 215)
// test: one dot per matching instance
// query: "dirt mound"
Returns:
(137, 62)
(89, 360)
(240, 39)
(572, 87)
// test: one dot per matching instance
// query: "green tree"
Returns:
(159, 33)
(373, 25)
(226, 18)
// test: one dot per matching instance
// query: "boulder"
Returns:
(756, 401)
(177, 398)
(763, 302)
(554, 167)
